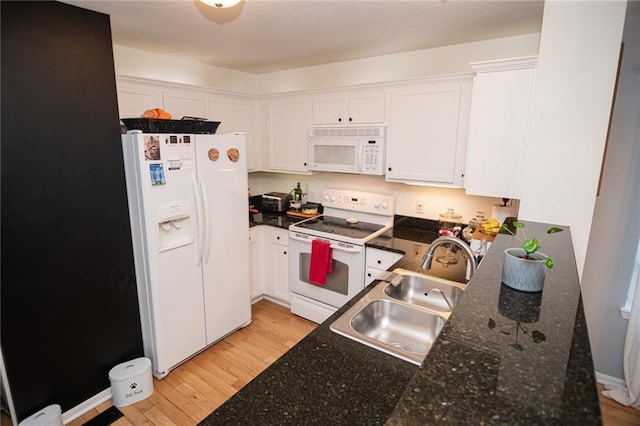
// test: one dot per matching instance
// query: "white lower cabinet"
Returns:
(256, 261)
(277, 264)
(377, 261)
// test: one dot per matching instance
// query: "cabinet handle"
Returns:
(277, 238)
(369, 274)
(339, 120)
(379, 262)
(285, 252)
(305, 164)
(389, 169)
(350, 119)
(463, 175)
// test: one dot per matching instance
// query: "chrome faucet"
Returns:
(428, 257)
(444, 296)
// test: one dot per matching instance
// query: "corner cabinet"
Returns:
(500, 106)
(427, 135)
(286, 126)
(351, 107)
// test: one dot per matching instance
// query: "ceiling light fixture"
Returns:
(221, 4)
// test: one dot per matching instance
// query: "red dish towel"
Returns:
(321, 262)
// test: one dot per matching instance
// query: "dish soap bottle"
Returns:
(297, 193)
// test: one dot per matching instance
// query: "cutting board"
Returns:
(302, 215)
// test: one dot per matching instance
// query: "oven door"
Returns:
(345, 280)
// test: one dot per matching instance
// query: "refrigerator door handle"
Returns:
(200, 215)
(207, 219)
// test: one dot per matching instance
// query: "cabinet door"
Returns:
(185, 104)
(428, 133)
(366, 107)
(328, 109)
(377, 261)
(256, 272)
(498, 129)
(288, 133)
(134, 100)
(279, 262)
(237, 115)
(351, 107)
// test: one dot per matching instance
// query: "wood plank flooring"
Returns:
(196, 388)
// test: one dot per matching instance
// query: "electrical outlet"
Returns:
(420, 207)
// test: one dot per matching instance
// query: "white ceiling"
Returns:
(259, 36)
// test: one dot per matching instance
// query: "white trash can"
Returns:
(131, 381)
(49, 416)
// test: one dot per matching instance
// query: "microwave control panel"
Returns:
(373, 156)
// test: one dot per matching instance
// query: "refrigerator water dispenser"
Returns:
(174, 224)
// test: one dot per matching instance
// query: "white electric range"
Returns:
(349, 220)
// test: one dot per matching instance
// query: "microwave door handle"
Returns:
(360, 154)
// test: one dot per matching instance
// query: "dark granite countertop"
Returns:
(278, 220)
(475, 373)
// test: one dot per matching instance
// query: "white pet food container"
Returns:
(131, 381)
(48, 416)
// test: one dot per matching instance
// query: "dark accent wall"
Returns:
(69, 308)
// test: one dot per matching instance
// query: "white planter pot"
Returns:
(523, 274)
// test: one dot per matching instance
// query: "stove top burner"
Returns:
(339, 227)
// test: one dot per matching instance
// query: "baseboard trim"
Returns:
(609, 380)
(85, 406)
(271, 299)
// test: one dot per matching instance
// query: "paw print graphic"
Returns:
(133, 385)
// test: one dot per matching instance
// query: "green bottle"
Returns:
(297, 193)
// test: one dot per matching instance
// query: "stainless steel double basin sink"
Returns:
(401, 320)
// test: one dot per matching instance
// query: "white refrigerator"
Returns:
(188, 209)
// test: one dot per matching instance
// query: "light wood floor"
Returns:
(193, 390)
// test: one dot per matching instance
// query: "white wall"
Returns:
(435, 200)
(615, 229)
(575, 77)
(443, 60)
(402, 66)
(130, 62)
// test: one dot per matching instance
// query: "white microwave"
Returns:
(347, 150)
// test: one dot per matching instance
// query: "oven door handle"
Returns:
(333, 247)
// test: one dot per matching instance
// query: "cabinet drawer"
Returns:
(381, 259)
(280, 236)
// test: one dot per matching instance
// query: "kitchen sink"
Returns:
(400, 326)
(395, 320)
(413, 287)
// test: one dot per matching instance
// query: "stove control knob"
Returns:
(376, 204)
(385, 205)
(333, 198)
(326, 197)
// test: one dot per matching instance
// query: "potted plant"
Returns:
(524, 268)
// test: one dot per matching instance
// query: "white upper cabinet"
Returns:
(363, 106)
(134, 100)
(185, 103)
(237, 115)
(427, 134)
(497, 134)
(286, 127)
